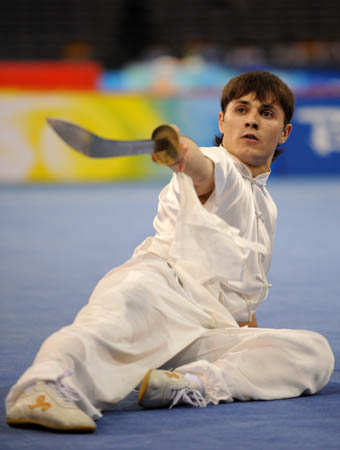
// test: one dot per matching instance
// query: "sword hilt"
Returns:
(166, 144)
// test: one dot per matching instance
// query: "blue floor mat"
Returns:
(56, 242)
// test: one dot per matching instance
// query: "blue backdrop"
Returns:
(314, 146)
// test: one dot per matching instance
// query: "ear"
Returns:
(220, 121)
(285, 133)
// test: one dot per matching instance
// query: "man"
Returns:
(184, 297)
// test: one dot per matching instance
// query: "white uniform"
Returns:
(176, 303)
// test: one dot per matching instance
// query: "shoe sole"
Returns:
(144, 386)
(31, 422)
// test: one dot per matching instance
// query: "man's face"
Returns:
(252, 130)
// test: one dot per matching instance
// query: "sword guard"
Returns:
(166, 145)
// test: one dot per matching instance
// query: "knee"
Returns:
(318, 360)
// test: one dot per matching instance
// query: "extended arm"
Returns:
(192, 162)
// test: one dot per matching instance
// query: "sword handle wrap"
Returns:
(166, 145)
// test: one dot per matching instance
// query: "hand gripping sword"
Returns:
(163, 143)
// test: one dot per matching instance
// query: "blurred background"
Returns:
(122, 67)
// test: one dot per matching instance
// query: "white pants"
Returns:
(140, 317)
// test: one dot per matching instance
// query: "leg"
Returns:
(137, 318)
(257, 364)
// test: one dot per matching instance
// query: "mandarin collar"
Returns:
(260, 180)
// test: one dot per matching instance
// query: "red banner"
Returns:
(50, 75)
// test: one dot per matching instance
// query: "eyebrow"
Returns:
(269, 105)
(263, 105)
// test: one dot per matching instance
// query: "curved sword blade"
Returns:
(89, 144)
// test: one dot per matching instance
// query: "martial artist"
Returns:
(178, 319)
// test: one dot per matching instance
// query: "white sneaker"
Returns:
(163, 389)
(51, 405)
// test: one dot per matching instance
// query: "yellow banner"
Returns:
(31, 152)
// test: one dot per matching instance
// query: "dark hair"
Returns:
(264, 85)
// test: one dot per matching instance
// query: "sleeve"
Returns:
(229, 184)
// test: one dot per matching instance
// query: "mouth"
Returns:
(250, 137)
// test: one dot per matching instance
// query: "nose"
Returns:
(252, 120)
(252, 124)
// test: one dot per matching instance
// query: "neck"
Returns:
(255, 170)
(258, 170)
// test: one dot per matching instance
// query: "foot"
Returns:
(163, 389)
(49, 405)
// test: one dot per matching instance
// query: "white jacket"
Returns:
(224, 246)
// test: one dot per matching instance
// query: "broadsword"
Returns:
(163, 143)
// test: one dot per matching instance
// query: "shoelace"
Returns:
(64, 391)
(189, 396)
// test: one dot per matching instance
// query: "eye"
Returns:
(240, 109)
(267, 113)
